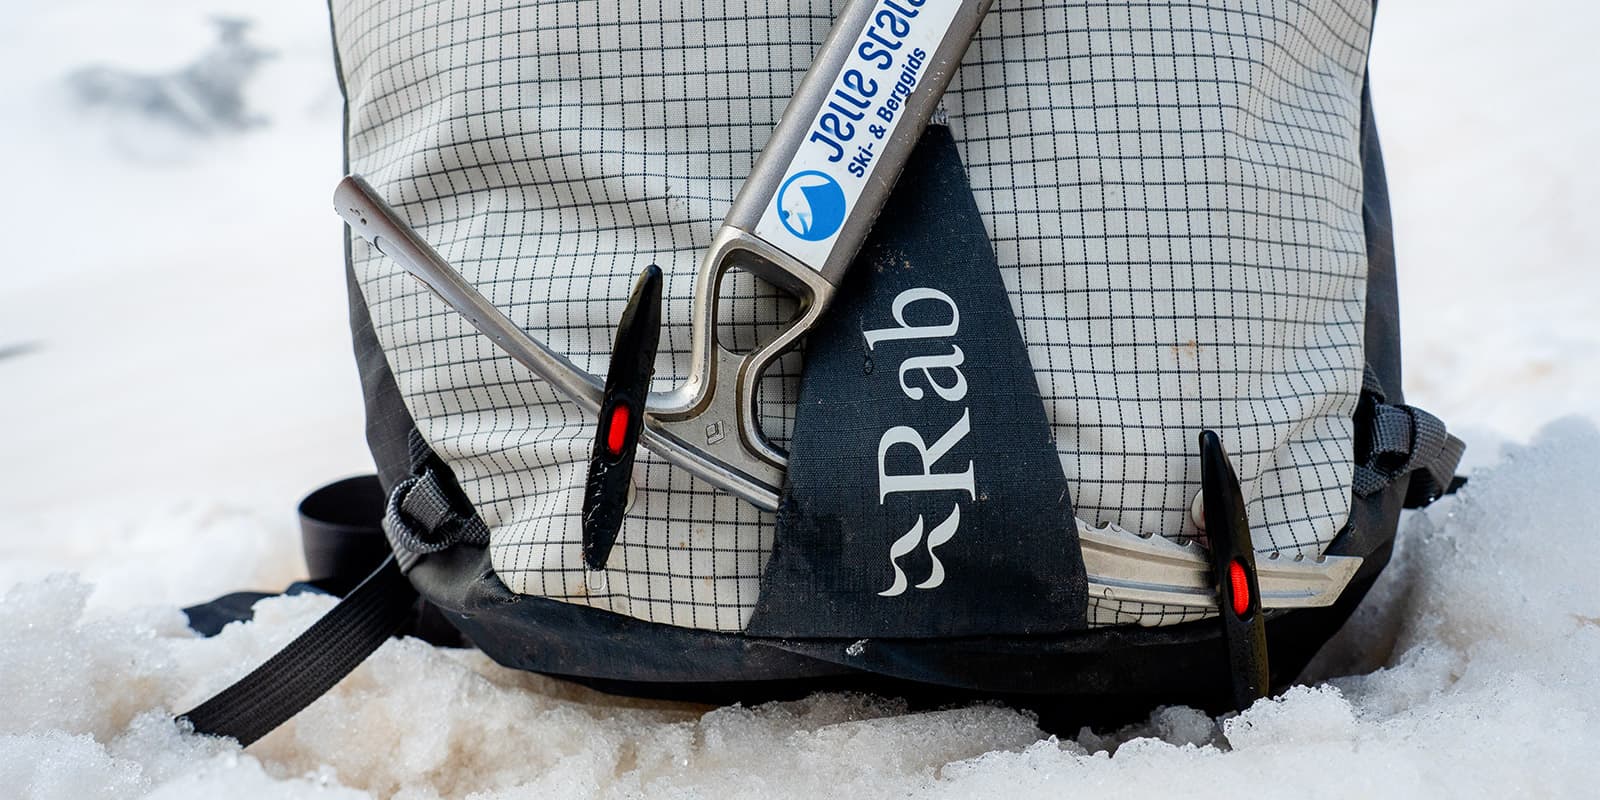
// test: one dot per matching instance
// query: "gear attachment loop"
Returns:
(426, 514)
(1394, 441)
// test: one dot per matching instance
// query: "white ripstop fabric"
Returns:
(1173, 190)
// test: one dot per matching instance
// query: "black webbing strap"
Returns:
(311, 664)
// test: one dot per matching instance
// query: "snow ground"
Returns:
(148, 467)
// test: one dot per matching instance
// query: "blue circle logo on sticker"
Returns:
(811, 205)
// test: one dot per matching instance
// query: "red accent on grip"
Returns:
(617, 430)
(1240, 583)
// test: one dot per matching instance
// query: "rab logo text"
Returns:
(938, 371)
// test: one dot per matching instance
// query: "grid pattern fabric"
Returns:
(1173, 190)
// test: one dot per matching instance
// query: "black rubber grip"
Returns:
(1233, 559)
(633, 360)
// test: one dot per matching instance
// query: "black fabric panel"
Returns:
(1382, 334)
(389, 423)
(1127, 665)
(1101, 677)
(1373, 520)
(924, 496)
(550, 636)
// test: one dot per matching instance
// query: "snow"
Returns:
(174, 373)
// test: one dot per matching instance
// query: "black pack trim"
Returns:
(1369, 531)
(1108, 675)
(1381, 334)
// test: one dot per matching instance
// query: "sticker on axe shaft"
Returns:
(862, 112)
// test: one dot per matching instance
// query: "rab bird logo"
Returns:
(811, 205)
(903, 546)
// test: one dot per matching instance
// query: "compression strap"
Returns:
(311, 664)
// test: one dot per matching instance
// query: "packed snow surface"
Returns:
(174, 372)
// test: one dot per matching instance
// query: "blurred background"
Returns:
(175, 368)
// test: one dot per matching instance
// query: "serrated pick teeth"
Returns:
(1129, 567)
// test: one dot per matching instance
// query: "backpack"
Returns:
(1061, 369)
